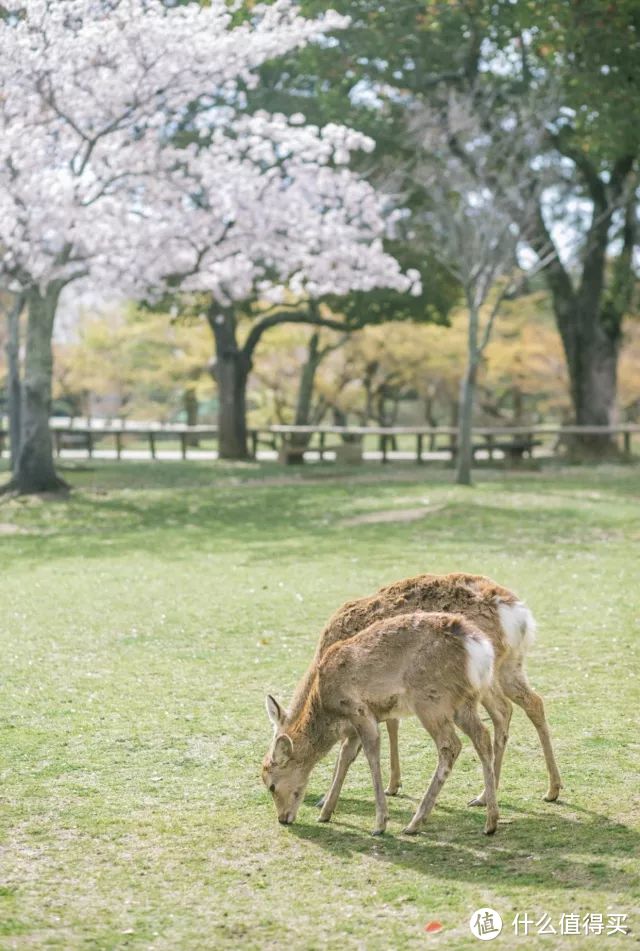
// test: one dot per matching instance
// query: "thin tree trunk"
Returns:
(190, 401)
(14, 388)
(35, 471)
(299, 441)
(464, 462)
(231, 372)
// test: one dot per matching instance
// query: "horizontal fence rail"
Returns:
(345, 443)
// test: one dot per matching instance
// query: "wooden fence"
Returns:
(293, 442)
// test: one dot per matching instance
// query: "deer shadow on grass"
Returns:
(542, 847)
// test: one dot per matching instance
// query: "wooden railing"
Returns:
(512, 442)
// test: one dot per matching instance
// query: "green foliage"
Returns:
(439, 294)
(144, 620)
(592, 49)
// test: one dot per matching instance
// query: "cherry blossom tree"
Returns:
(265, 236)
(92, 186)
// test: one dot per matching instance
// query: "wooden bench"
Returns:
(514, 449)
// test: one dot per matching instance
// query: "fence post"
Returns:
(419, 448)
(489, 438)
(152, 443)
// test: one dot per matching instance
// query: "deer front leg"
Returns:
(394, 757)
(369, 734)
(348, 752)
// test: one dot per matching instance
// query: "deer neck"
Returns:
(312, 730)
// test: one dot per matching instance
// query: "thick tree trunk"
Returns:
(231, 372)
(592, 361)
(35, 471)
(464, 461)
(14, 388)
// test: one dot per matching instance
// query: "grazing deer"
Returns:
(499, 614)
(433, 666)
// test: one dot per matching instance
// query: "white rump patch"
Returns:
(479, 661)
(518, 624)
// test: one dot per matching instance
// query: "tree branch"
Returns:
(287, 317)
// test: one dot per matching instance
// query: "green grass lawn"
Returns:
(144, 619)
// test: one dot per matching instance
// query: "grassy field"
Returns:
(144, 619)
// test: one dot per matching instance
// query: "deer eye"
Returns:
(272, 787)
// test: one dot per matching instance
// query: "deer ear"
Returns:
(276, 714)
(282, 750)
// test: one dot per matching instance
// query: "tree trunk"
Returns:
(190, 401)
(307, 380)
(300, 441)
(231, 372)
(35, 471)
(464, 462)
(14, 389)
(592, 360)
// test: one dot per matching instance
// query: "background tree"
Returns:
(591, 53)
(476, 168)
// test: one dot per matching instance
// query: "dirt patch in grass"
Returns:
(392, 515)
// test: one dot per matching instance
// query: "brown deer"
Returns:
(432, 665)
(498, 613)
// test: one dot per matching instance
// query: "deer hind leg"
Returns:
(369, 735)
(449, 746)
(348, 752)
(394, 778)
(470, 723)
(517, 688)
(499, 709)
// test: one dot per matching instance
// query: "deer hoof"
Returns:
(477, 801)
(491, 825)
